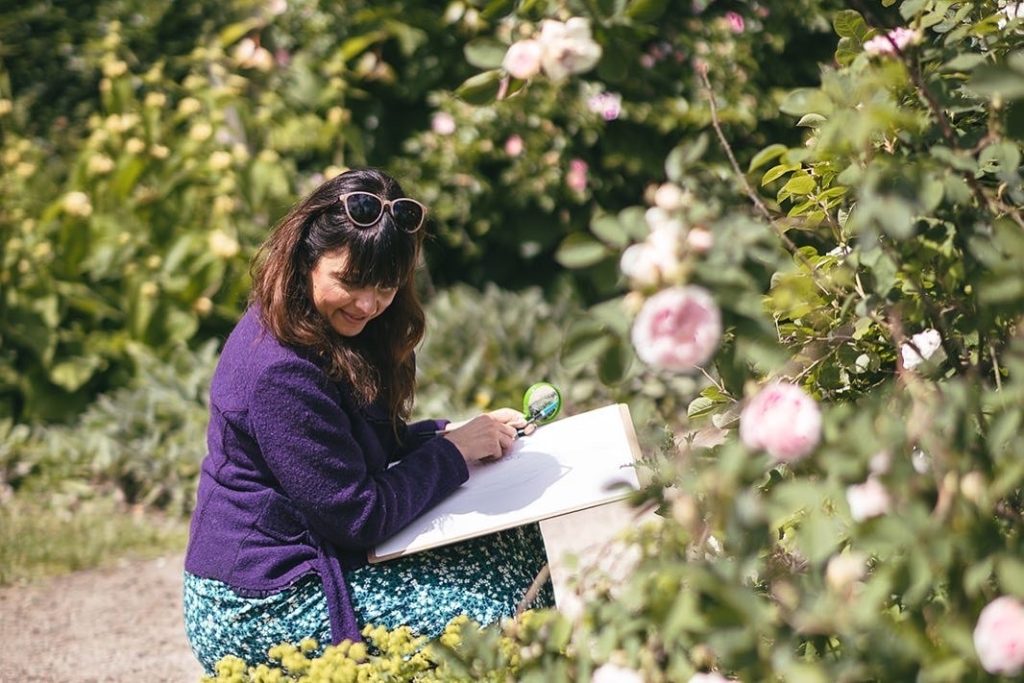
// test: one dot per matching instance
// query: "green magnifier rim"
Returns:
(533, 389)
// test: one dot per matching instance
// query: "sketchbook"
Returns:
(564, 466)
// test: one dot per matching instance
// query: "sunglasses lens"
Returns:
(408, 214)
(363, 208)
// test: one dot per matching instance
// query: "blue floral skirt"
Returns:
(484, 578)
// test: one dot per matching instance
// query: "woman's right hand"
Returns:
(485, 436)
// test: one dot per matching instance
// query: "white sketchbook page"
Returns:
(564, 466)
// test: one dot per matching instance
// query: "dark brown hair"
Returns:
(378, 363)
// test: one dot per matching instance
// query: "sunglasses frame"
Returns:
(385, 205)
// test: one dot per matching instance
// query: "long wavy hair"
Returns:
(378, 363)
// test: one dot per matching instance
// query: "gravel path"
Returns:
(121, 623)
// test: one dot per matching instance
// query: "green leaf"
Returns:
(73, 373)
(680, 158)
(806, 101)
(232, 33)
(580, 251)
(584, 344)
(997, 80)
(609, 230)
(357, 45)
(765, 155)
(699, 407)
(614, 363)
(849, 23)
(776, 172)
(481, 88)
(811, 120)
(646, 10)
(485, 53)
(800, 184)
(964, 62)
(1010, 572)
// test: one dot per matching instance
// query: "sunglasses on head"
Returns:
(365, 209)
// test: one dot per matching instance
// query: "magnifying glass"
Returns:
(541, 403)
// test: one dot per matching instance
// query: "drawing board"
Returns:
(570, 464)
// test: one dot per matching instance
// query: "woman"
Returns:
(310, 461)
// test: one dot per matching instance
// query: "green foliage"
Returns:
(898, 212)
(140, 445)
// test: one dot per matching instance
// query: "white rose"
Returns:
(568, 48)
(927, 343)
(868, 500)
(845, 570)
(613, 673)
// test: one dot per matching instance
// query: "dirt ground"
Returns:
(118, 624)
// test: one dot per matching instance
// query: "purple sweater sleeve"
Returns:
(307, 442)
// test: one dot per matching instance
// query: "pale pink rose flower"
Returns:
(927, 343)
(882, 45)
(678, 329)
(868, 500)
(700, 240)
(613, 673)
(658, 218)
(514, 145)
(999, 636)
(442, 123)
(639, 263)
(670, 197)
(711, 677)
(523, 59)
(607, 104)
(782, 420)
(845, 570)
(568, 48)
(576, 178)
(735, 22)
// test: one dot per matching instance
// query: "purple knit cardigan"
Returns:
(299, 479)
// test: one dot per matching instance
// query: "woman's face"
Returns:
(348, 308)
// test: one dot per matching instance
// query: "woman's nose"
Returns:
(365, 301)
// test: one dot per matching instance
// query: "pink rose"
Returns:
(443, 123)
(576, 178)
(999, 636)
(700, 240)
(735, 22)
(678, 328)
(883, 45)
(783, 420)
(523, 59)
(868, 500)
(514, 145)
(607, 104)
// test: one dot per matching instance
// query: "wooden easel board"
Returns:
(571, 464)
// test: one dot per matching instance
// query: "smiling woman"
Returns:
(311, 462)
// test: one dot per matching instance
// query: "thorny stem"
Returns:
(823, 285)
